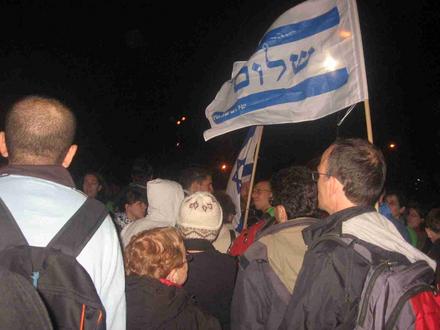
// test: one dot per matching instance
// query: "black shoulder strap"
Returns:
(10, 232)
(346, 241)
(232, 234)
(78, 230)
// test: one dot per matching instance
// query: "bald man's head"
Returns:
(39, 131)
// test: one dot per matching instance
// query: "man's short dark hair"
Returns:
(193, 174)
(141, 171)
(225, 201)
(39, 130)
(400, 195)
(360, 167)
(294, 188)
(433, 220)
(131, 195)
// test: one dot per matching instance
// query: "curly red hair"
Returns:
(154, 253)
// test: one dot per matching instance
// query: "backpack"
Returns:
(49, 279)
(395, 295)
(247, 236)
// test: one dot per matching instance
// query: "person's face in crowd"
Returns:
(262, 195)
(205, 185)
(433, 236)
(414, 220)
(91, 186)
(324, 193)
(394, 204)
(136, 210)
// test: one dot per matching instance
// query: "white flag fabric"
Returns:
(242, 171)
(309, 64)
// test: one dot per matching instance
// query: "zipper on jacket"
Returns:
(363, 308)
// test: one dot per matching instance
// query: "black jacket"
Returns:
(211, 279)
(330, 283)
(153, 305)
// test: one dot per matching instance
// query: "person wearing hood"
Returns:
(328, 289)
(164, 199)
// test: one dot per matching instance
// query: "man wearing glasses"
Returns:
(350, 178)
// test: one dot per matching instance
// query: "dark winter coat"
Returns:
(153, 305)
(329, 286)
(211, 279)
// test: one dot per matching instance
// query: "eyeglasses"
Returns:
(259, 191)
(316, 175)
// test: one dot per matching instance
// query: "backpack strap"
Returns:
(10, 232)
(80, 228)
(346, 240)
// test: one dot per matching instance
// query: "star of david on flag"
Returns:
(242, 171)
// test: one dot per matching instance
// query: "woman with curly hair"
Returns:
(156, 266)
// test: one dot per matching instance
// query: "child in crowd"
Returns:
(156, 266)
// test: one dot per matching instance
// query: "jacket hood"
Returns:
(164, 199)
(370, 226)
(374, 228)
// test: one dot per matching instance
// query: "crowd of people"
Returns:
(159, 257)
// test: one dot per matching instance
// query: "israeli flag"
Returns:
(309, 64)
(242, 171)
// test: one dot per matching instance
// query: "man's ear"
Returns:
(280, 214)
(69, 155)
(3, 148)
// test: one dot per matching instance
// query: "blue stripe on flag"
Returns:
(247, 169)
(309, 87)
(297, 31)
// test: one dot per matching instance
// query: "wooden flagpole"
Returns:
(251, 185)
(368, 120)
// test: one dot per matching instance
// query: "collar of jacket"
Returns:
(333, 223)
(276, 227)
(55, 173)
(198, 244)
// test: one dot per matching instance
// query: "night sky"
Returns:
(131, 69)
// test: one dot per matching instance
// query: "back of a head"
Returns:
(200, 217)
(433, 220)
(226, 203)
(192, 174)
(360, 167)
(294, 188)
(154, 253)
(39, 131)
(141, 171)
